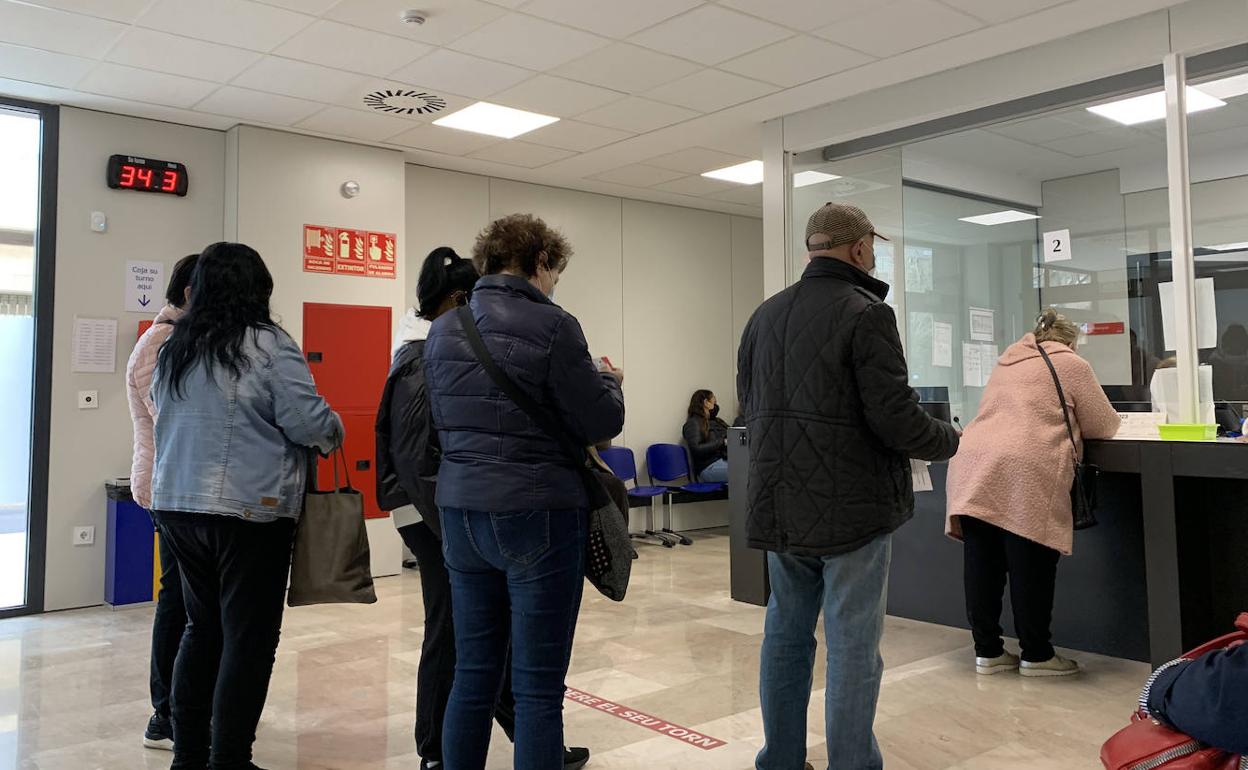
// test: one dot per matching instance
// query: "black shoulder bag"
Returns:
(609, 552)
(1083, 490)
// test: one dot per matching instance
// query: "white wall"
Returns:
(663, 291)
(280, 182)
(88, 447)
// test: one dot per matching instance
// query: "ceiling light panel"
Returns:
(495, 120)
(999, 218)
(1241, 246)
(1225, 88)
(807, 178)
(750, 172)
(1149, 107)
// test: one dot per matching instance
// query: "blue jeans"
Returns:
(517, 576)
(715, 472)
(851, 591)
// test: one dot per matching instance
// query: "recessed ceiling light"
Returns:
(495, 120)
(750, 172)
(1142, 109)
(807, 178)
(1241, 246)
(1226, 88)
(999, 217)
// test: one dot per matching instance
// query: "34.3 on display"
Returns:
(129, 172)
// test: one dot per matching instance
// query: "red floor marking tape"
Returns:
(684, 735)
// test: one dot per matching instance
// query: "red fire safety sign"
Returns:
(1097, 329)
(346, 251)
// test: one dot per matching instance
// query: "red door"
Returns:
(348, 350)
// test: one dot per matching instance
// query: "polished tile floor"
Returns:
(73, 686)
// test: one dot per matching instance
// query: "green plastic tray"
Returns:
(1188, 432)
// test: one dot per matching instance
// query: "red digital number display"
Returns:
(158, 176)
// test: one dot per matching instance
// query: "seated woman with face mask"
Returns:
(707, 438)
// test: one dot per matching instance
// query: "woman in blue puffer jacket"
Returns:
(513, 504)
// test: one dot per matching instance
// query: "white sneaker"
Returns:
(1002, 663)
(1054, 666)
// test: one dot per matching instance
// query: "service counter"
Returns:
(1165, 570)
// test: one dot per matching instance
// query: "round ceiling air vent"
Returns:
(404, 101)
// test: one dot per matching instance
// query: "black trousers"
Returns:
(167, 628)
(436, 673)
(234, 576)
(989, 555)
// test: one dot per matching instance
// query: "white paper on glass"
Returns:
(942, 345)
(95, 345)
(983, 324)
(1140, 425)
(1057, 246)
(1206, 315)
(972, 367)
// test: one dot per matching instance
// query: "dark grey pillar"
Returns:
(747, 566)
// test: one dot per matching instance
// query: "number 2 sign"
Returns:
(1057, 246)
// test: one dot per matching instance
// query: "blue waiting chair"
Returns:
(669, 464)
(624, 465)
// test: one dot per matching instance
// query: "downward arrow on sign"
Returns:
(144, 301)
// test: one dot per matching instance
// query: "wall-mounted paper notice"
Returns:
(983, 325)
(1206, 315)
(942, 345)
(972, 367)
(95, 345)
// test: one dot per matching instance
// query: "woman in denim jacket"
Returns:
(238, 411)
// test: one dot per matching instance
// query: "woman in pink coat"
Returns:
(1009, 493)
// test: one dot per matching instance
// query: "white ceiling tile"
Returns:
(628, 68)
(744, 138)
(637, 115)
(357, 124)
(579, 137)
(997, 11)
(695, 160)
(447, 141)
(877, 32)
(610, 18)
(306, 81)
(117, 10)
(555, 96)
(258, 106)
(58, 31)
(184, 56)
(35, 66)
(508, 3)
(1095, 144)
(229, 22)
(796, 60)
(428, 104)
(711, 34)
(448, 19)
(710, 90)
(528, 42)
(1039, 130)
(750, 195)
(521, 154)
(350, 48)
(145, 85)
(802, 15)
(462, 74)
(694, 185)
(638, 175)
(313, 7)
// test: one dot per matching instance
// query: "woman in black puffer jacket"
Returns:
(707, 438)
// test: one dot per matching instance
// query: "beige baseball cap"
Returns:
(841, 223)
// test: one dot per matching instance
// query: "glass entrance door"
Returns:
(20, 153)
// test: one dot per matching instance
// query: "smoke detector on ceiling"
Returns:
(404, 101)
(413, 17)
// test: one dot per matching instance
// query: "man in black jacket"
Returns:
(833, 423)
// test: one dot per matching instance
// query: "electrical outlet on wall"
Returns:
(84, 535)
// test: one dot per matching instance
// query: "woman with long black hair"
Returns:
(238, 411)
(707, 438)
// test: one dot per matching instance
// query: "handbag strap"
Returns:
(1061, 396)
(521, 399)
(338, 455)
